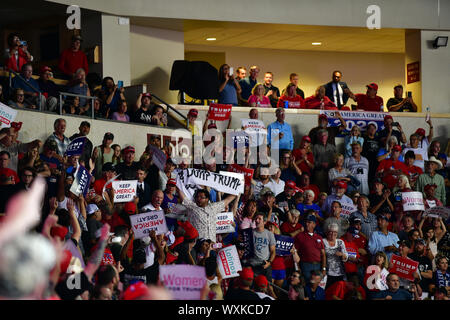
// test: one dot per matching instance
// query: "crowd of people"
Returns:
(335, 249)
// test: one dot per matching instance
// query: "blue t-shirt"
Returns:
(318, 295)
(383, 151)
(228, 95)
(400, 294)
(18, 83)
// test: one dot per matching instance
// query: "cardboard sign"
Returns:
(184, 282)
(284, 245)
(145, 222)
(81, 181)
(413, 72)
(219, 112)
(437, 212)
(247, 172)
(75, 147)
(412, 201)
(159, 157)
(228, 262)
(189, 179)
(348, 209)
(7, 115)
(224, 222)
(246, 236)
(360, 118)
(124, 190)
(403, 267)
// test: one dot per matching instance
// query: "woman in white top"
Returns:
(276, 184)
(336, 255)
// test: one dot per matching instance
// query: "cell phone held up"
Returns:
(409, 94)
(119, 84)
(395, 124)
(230, 72)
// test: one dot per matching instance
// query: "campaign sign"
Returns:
(76, 146)
(145, 222)
(352, 118)
(219, 112)
(239, 138)
(81, 181)
(224, 222)
(159, 157)
(124, 190)
(185, 282)
(436, 212)
(246, 236)
(283, 245)
(375, 278)
(256, 130)
(247, 172)
(403, 267)
(7, 115)
(347, 209)
(412, 201)
(228, 262)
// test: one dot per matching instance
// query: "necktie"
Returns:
(338, 96)
(140, 187)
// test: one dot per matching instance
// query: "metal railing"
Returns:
(61, 94)
(26, 83)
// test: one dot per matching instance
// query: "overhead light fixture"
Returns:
(211, 39)
(317, 43)
(440, 42)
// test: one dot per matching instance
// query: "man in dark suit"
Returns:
(143, 192)
(337, 91)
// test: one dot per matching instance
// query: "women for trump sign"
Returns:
(184, 282)
(412, 201)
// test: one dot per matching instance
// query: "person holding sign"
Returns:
(201, 214)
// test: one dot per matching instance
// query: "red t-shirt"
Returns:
(278, 263)
(298, 154)
(340, 289)
(388, 164)
(368, 104)
(70, 61)
(287, 228)
(99, 184)
(296, 102)
(10, 173)
(352, 251)
(309, 247)
(314, 102)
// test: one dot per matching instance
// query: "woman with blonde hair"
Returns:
(258, 99)
(354, 136)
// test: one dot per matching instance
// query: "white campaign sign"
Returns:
(7, 115)
(256, 129)
(347, 209)
(143, 223)
(124, 190)
(412, 201)
(224, 223)
(228, 262)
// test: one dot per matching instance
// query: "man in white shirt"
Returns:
(420, 153)
(155, 204)
(359, 167)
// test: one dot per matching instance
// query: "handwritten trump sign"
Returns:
(145, 222)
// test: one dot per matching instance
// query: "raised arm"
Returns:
(74, 221)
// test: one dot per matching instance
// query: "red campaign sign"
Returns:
(413, 72)
(219, 112)
(248, 173)
(403, 267)
(223, 258)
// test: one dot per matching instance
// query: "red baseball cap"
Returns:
(388, 116)
(373, 85)
(291, 184)
(16, 125)
(193, 112)
(342, 185)
(247, 274)
(397, 148)
(147, 95)
(420, 131)
(44, 69)
(172, 181)
(135, 291)
(430, 185)
(130, 207)
(59, 231)
(323, 116)
(306, 138)
(129, 149)
(261, 281)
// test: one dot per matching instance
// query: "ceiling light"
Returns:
(317, 43)
(211, 39)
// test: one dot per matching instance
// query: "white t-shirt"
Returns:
(421, 156)
(276, 188)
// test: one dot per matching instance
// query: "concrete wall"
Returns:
(421, 14)
(116, 49)
(152, 53)
(435, 72)
(315, 68)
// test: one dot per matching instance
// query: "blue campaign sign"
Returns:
(359, 118)
(75, 147)
(283, 245)
(81, 181)
(240, 139)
